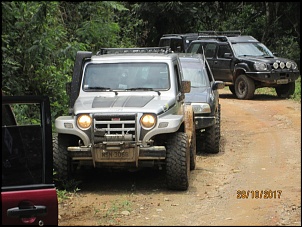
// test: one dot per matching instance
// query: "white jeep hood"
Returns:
(124, 104)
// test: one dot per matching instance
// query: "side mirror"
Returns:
(185, 86)
(218, 85)
(227, 55)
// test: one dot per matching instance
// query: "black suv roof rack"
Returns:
(220, 33)
(164, 50)
(181, 34)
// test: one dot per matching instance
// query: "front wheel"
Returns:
(61, 160)
(244, 87)
(212, 135)
(178, 162)
(285, 90)
(232, 89)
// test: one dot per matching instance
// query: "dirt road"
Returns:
(255, 180)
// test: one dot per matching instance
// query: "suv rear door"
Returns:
(28, 194)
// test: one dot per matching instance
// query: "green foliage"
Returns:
(297, 94)
(27, 114)
(40, 39)
(113, 211)
(286, 46)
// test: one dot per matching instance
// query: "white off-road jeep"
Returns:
(127, 111)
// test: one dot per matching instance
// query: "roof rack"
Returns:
(220, 33)
(181, 34)
(164, 50)
(219, 38)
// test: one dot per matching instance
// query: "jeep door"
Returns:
(28, 194)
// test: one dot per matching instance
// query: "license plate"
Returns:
(282, 81)
(125, 155)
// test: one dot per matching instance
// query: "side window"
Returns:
(222, 50)
(22, 152)
(195, 48)
(210, 50)
(164, 42)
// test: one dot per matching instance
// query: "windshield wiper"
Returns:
(101, 89)
(142, 89)
(247, 55)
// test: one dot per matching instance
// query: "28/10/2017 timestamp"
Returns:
(259, 194)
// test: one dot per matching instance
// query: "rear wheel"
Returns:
(285, 90)
(178, 162)
(244, 87)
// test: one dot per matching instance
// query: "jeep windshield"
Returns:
(125, 77)
(251, 49)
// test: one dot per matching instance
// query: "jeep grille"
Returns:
(114, 127)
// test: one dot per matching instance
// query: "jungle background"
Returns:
(40, 38)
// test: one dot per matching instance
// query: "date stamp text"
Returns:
(259, 194)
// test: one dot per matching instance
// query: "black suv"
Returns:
(178, 43)
(28, 194)
(245, 64)
(204, 98)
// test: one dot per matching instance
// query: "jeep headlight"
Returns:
(199, 108)
(148, 121)
(84, 121)
(260, 66)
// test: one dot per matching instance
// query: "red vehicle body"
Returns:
(28, 194)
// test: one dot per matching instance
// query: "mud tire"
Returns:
(178, 162)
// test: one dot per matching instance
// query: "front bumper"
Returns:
(274, 77)
(202, 122)
(117, 152)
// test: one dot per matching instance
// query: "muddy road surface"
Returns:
(254, 180)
